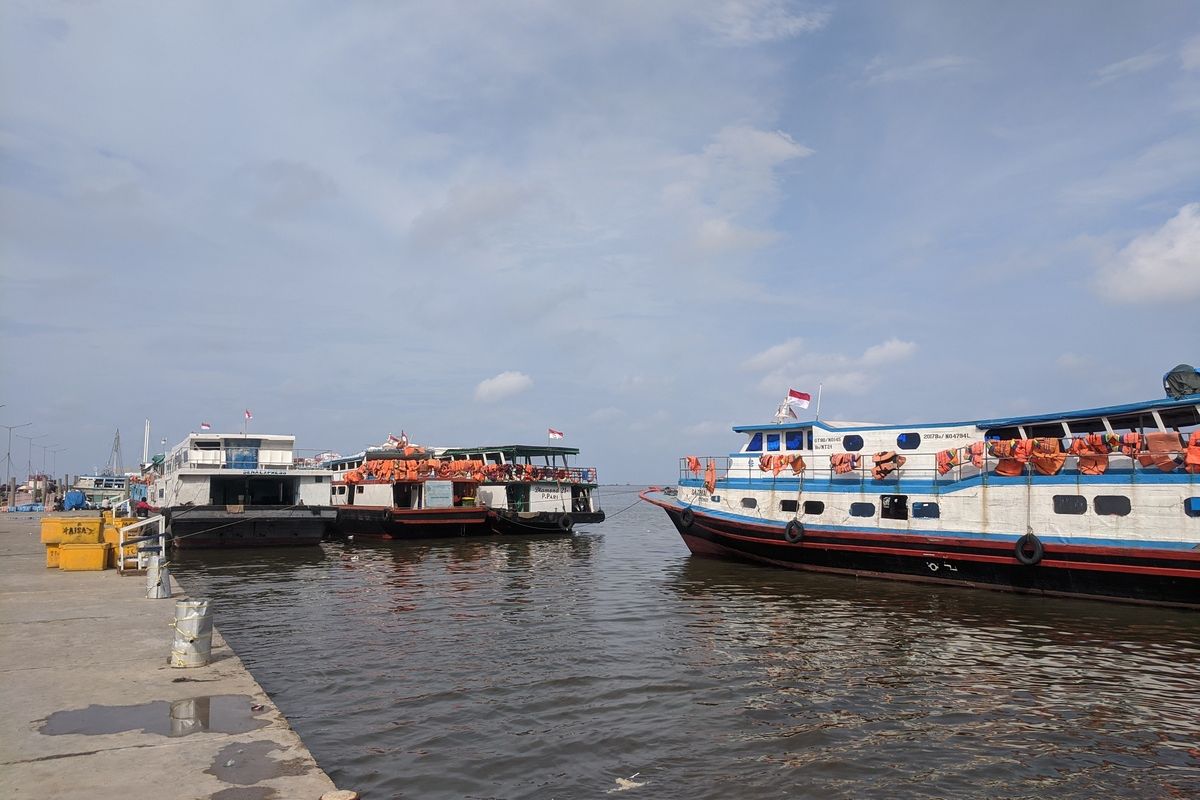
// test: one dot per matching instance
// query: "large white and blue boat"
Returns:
(1098, 503)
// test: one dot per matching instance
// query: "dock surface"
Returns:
(93, 710)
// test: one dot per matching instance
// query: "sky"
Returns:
(637, 223)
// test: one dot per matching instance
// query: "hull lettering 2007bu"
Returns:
(1099, 503)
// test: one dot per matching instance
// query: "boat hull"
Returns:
(1136, 575)
(513, 523)
(412, 523)
(195, 527)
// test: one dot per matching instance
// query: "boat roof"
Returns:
(515, 449)
(1166, 403)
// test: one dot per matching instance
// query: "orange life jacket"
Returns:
(693, 465)
(1191, 460)
(1048, 457)
(710, 476)
(1013, 453)
(1131, 444)
(764, 462)
(1163, 451)
(947, 460)
(1092, 451)
(976, 451)
(798, 464)
(843, 462)
(886, 463)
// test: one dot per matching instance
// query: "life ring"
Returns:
(1029, 559)
(687, 518)
(565, 523)
(794, 531)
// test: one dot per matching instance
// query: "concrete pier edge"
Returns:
(72, 641)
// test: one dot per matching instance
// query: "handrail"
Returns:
(142, 558)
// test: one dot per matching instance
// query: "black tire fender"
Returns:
(565, 523)
(687, 518)
(794, 531)
(1031, 543)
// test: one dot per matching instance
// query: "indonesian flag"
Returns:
(204, 426)
(799, 398)
(249, 415)
(553, 434)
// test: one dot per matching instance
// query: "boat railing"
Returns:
(923, 467)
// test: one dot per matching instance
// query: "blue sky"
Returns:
(638, 223)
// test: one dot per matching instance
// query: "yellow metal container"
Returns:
(83, 557)
(112, 536)
(75, 530)
(51, 556)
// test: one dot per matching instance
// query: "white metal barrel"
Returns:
(158, 580)
(193, 633)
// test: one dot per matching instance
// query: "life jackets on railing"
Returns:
(1012, 455)
(693, 465)
(1047, 455)
(886, 463)
(1191, 461)
(764, 462)
(798, 464)
(975, 450)
(710, 476)
(776, 464)
(1131, 444)
(1092, 451)
(948, 460)
(843, 462)
(1162, 451)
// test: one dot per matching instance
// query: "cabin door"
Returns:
(518, 496)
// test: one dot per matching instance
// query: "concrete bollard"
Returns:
(193, 633)
(158, 580)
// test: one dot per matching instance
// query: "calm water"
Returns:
(550, 668)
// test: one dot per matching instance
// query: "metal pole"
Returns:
(820, 386)
(8, 453)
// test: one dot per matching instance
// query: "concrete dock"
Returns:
(92, 710)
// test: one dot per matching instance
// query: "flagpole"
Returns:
(819, 387)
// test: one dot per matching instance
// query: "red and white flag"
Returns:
(801, 399)
(204, 426)
(553, 434)
(248, 414)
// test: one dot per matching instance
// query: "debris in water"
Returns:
(256, 707)
(627, 783)
(230, 763)
(354, 558)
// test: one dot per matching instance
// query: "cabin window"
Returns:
(1191, 506)
(319, 479)
(160, 493)
(358, 489)
(908, 441)
(862, 509)
(749, 502)
(1070, 504)
(493, 458)
(716, 498)
(206, 445)
(817, 507)
(755, 443)
(852, 443)
(1111, 505)
(788, 506)
(893, 506)
(341, 490)
(772, 442)
(794, 440)
(926, 510)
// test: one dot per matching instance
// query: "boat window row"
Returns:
(853, 443)
(896, 506)
(762, 442)
(1112, 505)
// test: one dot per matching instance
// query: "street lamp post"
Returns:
(30, 439)
(8, 453)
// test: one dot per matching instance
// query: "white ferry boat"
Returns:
(102, 491)
(241, 490)
(1097, 503)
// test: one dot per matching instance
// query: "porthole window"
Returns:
(926, 510)
(815, 507)
(1191, 506)
(788, 506)
(1070, 504)
(755, 443)
(908, 441)
(772, 442)
(749, 502)
(1111, 505)
(794, 440)
(852, 443)
(862, 509)
(893, 506)
(716, 498)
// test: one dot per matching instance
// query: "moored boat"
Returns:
(532, 489)
(238, 490)
(1098, 503)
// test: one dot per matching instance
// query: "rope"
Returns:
(610, 516)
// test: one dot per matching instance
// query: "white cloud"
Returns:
(707, 428)
(789, 365)
(717, 236)
(747, 22)
(775, 355)
(879, 72)
(1130, 66)
(1160, 265)
(506, 384)
(888, 352)
(1189, 54)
